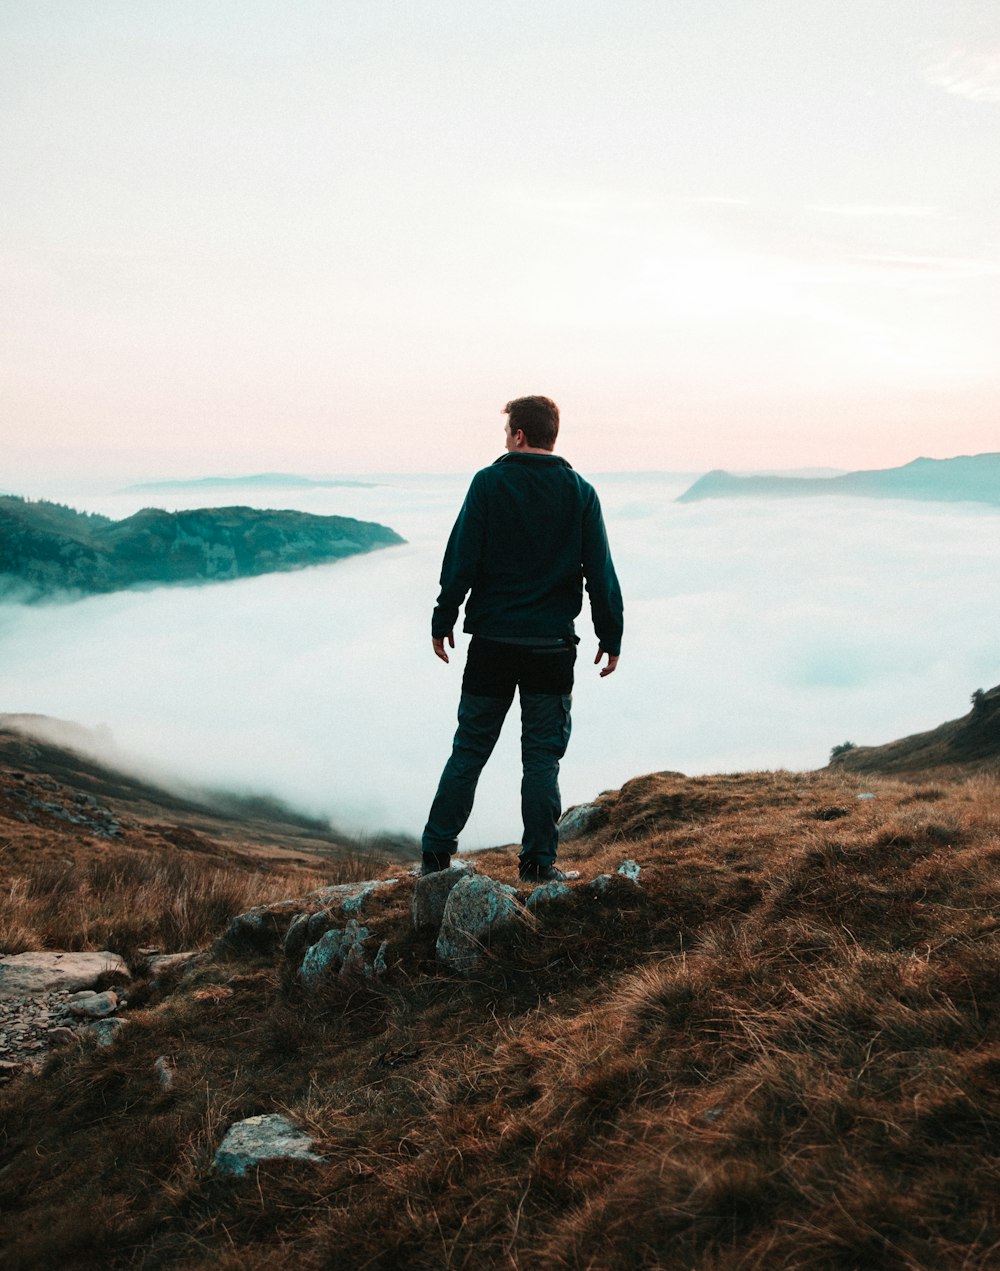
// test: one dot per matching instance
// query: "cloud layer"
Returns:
(757, 635)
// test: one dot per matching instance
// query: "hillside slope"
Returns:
(780, 1050)
(963, 479)
(972, 741)
(46, 548)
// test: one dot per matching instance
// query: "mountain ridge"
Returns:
(48, 548)
(961, 479)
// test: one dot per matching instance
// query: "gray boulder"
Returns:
(263, 1138)
(629, 869)
(90, 1005)
(262, 928)
(104, 1031)
(336, 953)
(553, 890)
(351, 896)
(582, 819)
(24, 974)
(430, 895)
(476, 906)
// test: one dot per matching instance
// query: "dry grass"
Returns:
(122, 898)
(781, 1052)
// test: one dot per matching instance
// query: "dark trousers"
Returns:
(493, 671)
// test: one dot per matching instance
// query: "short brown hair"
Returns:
(538, 419)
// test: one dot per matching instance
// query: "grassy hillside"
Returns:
(47, 547)
(780, 1051)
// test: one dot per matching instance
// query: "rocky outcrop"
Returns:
(430, 895)
(22, 974)
(477, 905)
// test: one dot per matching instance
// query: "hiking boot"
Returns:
(434, 862)
(533, 872)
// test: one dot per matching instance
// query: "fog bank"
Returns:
(757, 635)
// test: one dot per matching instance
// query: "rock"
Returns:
(297, 938)
(262, 928)
(379, 963)
(337, 952)
(165, 1068)
(582, 819)
(351, 896)
(61, 1036)
(160, 963)
(629, 869)
(476, 905)
(92, 1005)
(104, 1031)
(430, 895)
(22, 974)
(318, 925)
(600, 884)
(548, 891)
(263, 1138)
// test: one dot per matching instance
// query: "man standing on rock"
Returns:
(529, 534)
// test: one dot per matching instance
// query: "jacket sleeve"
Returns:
(601, 579)
(462, 559)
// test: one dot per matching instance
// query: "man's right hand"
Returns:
(612, 662)
(440, 650)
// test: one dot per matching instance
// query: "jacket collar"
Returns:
(519, 456)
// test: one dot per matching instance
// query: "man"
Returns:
(529, 533)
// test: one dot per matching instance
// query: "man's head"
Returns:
(537, 418)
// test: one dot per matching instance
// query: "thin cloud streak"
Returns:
(966, 73)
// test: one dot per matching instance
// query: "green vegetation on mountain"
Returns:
(258, 480)
(964, 479)
(47, 547)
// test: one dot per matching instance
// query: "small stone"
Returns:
(165, 1068)
(61, 1036)
(104, 1031)
(629, 869)
(97, 1006)
(263, 1138)
(600, 884)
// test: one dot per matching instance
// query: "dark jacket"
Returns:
(529, 533)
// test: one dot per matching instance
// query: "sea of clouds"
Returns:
(758, 635)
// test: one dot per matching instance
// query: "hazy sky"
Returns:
(337, 236)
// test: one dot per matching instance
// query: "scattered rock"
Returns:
(262, 928)
(91, 1005)
(600, 884)
(61, 1036)
(165, 1068)
(630, 870)
(297, 938)
(582, 819)
(160, 963)
(430, 895)
(351, 896)
(476, 905)
(104, 1031)
(336, 952)
(22, 974)
(548, 891)
(263, 1138)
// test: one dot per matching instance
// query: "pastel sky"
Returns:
(337, 235)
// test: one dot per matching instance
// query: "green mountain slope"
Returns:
(46, 547)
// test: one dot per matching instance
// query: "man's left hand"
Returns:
(612, 662)
(439, 648)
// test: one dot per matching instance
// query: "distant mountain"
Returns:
(964, 479)
(260, 480)
(46, 547)
(974, 739)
